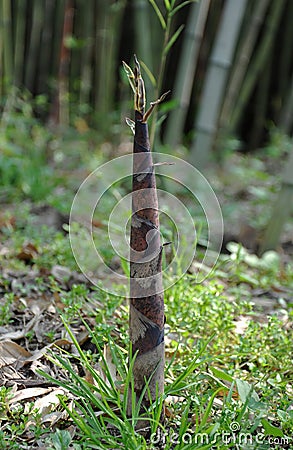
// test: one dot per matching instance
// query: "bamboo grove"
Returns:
(68, 52)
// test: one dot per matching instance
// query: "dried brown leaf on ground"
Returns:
(13, 354)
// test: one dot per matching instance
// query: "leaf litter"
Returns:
(34, 330)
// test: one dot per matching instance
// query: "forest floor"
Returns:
(55, 325)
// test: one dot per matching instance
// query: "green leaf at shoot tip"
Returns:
(173, 39)
(167, 5)
(159, 14)
(175, 10)
(130, 75)
(149, 74)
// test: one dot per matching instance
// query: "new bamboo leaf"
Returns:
(130, 75)
(159, 14)
(167, 5)
(173, 39)
(131, 125)
(149, 74)
(175, 10)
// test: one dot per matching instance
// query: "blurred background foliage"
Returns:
(228, 64)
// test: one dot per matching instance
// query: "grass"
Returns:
(216, 377)
(228, 339)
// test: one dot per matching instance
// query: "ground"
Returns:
(64, 341)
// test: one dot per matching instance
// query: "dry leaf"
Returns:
(27, 393)
(13, 354)
(40, 353)
(61, 273)
(241, 324)
(20, 333)
(28, 252)
(45, 404)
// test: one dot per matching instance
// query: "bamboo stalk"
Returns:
(1, 57)
(19, 42)
(57, 30)
(107, 40)
(215, 84)
(34, 44)
(86, 56)
(261, 103)
(143, 40)
(146, 319)
(259, 59)
(7, 42)
(186, 69)
(60, 113)
(286, 120)
(286, 47)
(281, 210)
(47, 46)
(241, 63)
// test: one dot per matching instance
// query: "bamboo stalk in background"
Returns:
(86, 75)
(47, 43)
(7, 43)
(34, 44)
(108, 27)
(285, 49)
(60, 115)
(20, 27)
(258, 124)
(286, 119)
(143, 41)
(77, 44)
(258, 61)
(186, 69)
(1, 56)
(241, 63)
(281, 210)
(215, 84)
(57, 33)
(146, 316)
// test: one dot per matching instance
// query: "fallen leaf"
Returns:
(20, 333)
(28, 252)
(12, 354)
(241, 324)
(45, 404)
(61, 273)
(27, 393)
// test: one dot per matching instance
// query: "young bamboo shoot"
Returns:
(146, 320)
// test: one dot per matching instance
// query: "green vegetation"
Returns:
(228, 345)
(65, 356)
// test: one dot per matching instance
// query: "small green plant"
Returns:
(194, 377)
(16, 421)
(59, 440)
(5, 308)
(73, 301)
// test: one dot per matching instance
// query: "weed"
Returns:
(5, 308)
